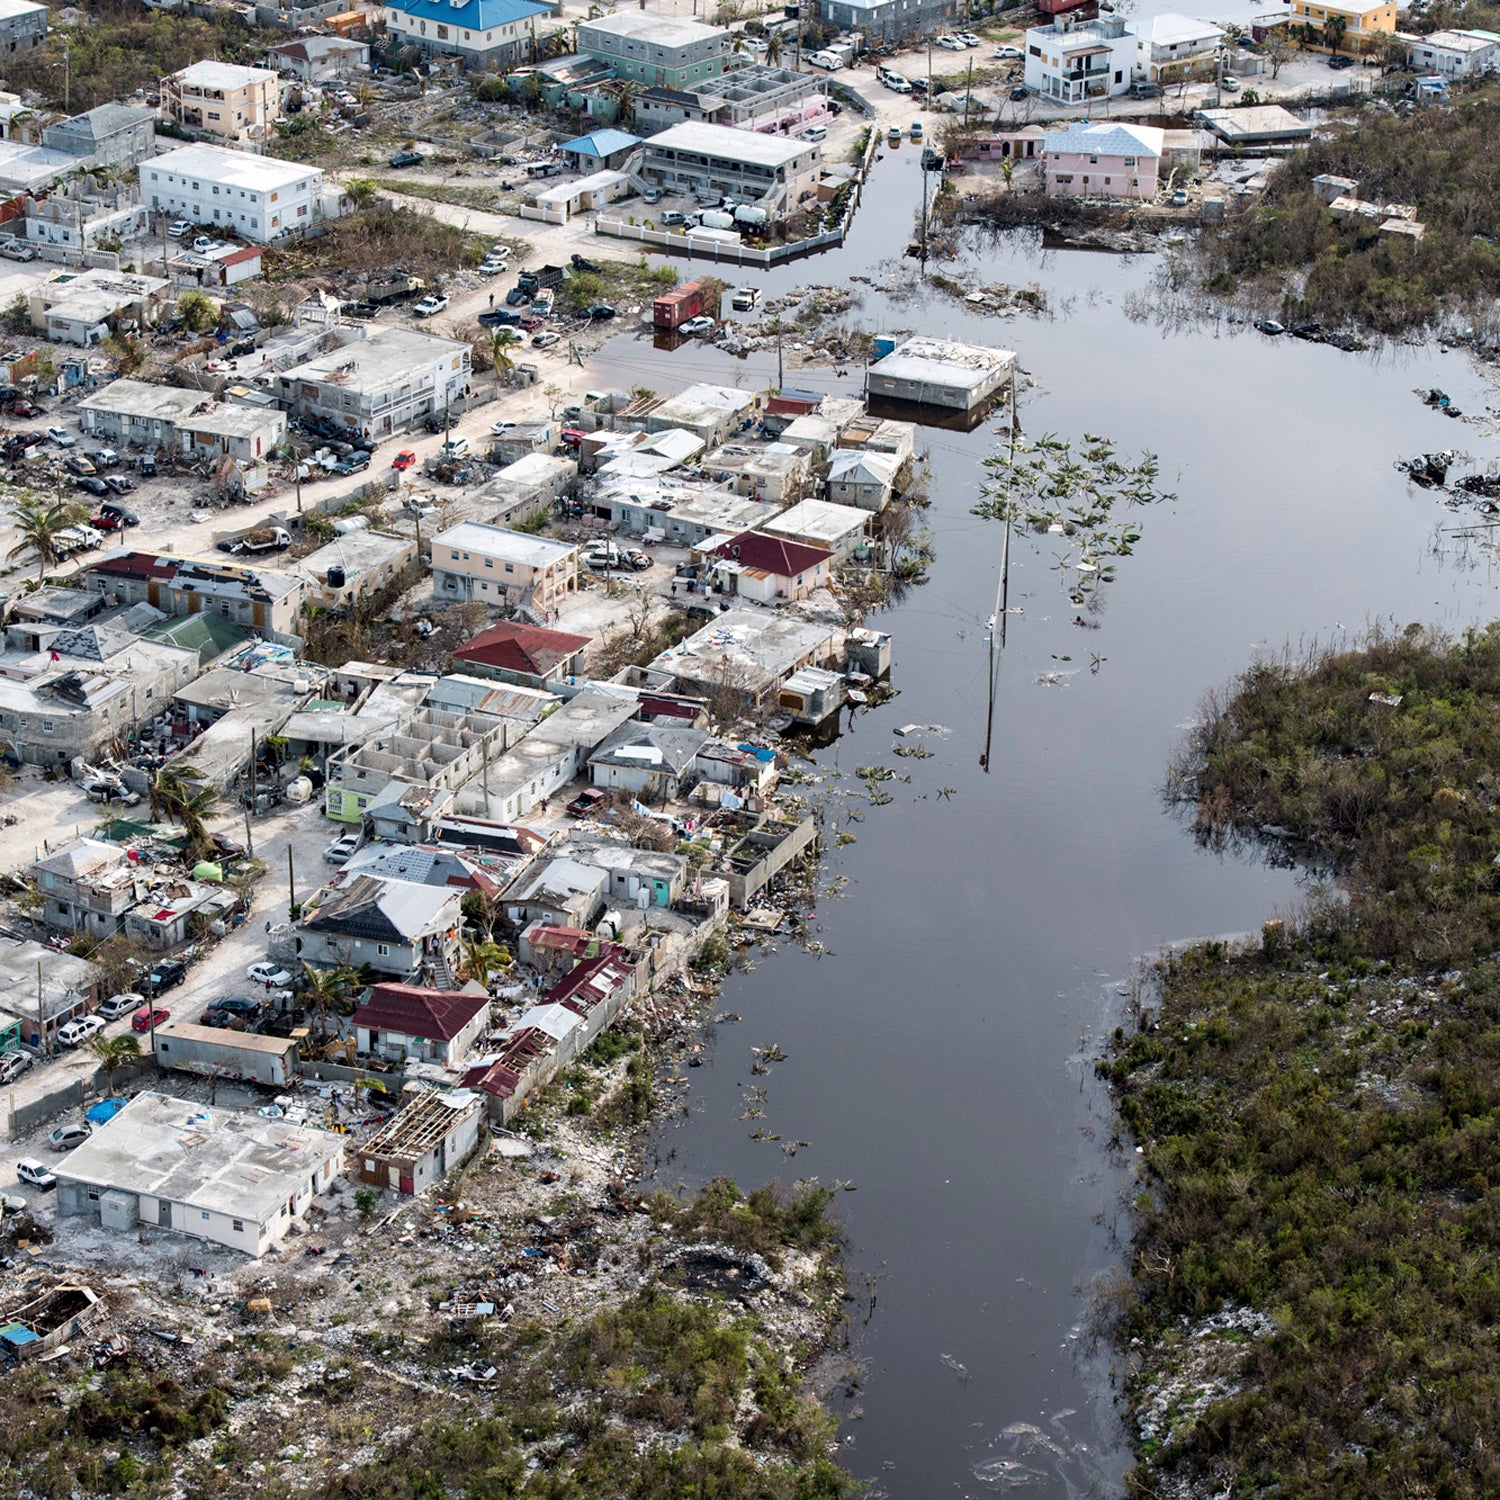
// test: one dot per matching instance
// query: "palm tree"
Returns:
(1333, 31)
(773, 49)
(482, 958)
(624, 91)
(1007, 170)
(178, 793)
(39, 525)
(112, 1054)
(328, 990)
(501, 340)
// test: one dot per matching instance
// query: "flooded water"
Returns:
(938, 1054)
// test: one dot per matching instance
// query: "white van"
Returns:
(817, 133)
(829, 61)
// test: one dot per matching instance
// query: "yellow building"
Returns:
(223, 99)
(476, 561)
(1363, 25)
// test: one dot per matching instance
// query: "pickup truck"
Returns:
(73, 539)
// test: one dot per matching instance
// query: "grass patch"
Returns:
(1320, 1112)
(375, 238)
(442, 192)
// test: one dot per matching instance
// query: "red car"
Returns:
(145, 1018)
(530, 324)
(103, 522)
(21, 407)
(404, 459)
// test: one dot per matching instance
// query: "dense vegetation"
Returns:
(1441, 159)
(1320, 1112)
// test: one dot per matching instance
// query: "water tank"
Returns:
(336, 577)
(884, 346)
(346, 524)
(298, 791)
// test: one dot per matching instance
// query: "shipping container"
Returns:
(212, 1053)
(677, 306)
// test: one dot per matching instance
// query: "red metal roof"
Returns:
(136, 565)
(754, 549)
(521, 648)
(410, 1010)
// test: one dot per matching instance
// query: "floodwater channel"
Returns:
(939, 1052)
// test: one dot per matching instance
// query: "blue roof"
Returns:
(602, 143)
(477, 15)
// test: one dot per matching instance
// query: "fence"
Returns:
(23, 1119)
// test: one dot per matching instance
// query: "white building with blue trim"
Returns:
(479, 31)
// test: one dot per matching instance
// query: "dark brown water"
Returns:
(939, 1053)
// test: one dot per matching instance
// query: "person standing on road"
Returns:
(492, 299)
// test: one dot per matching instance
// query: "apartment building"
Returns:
(496, 566)
(774, 172)
(481, 32)
(223, 99)
(660, 51)
(258, 197)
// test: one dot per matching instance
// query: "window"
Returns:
(510, 567)
(205, 1214)
(46, 726)
(383, 949)
(489, 562)
(239, 1225)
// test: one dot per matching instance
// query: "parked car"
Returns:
(517, 296)
(113, 508)
(598, 312)
(430, 306)
(91, 485)
(745, 298)
(228, 847)
(76, 1032)
(404, 459)
(406, 159)
(121, 1005)
(455, 447)
(66, 1137)
(545, 339)
(36, 1174)
(492, 266)
(104, 458)
(118, 484)
(531, 323)
(695, 326)
(341, 849)
(148, 1016)
(1018, 93)
(1008, 52)
(1339, 61)
(1230, 85)
(352, 463)
(26, 410)
(969, 39)
(178, 228)
(165, 974)
(951, 44)
(586, 802)
(243, 1005)
(672, 217)
(13, 1064)
(102, 522)
(19, 250)
(1180, 198)
(202, 244)
(271, 974)
(76, 463)
(62, 437)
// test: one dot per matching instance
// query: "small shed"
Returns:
(435, 1134)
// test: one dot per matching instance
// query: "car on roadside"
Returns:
(353, 463)
(228, 847)
(66, 1137)
(178, 228)
(545, 339)
(36, 1174)
(1019, 93)
(454, 447)
(121, 1005)
(26, 410)
(271, 974)
(430, 305)
(62, 437)
(1339, 61)
(19, 250)
(498, 317)
(148, 1017)
(76, 1032)
(342, 849)
(1008, 52)
(696, 326)
(13, 1064)
(587, 801)
(126, 516)
(493, 267)
(404, 459)
(405, 159)
(1230, 85)
(166, 974)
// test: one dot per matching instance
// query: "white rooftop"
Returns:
(942, 362)
(1171, 30)
(730, 145)
(496, 541)
(238, 169)
(386, 356)
(661, 31)
(219, 1160)
(820, 519)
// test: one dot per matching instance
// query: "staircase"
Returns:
(442, 976)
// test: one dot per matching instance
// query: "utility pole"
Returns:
(291, 884)
(780, 371)
(252, 772)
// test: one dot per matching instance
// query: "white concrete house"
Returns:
(258, 197)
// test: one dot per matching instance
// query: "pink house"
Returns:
(1103, 161)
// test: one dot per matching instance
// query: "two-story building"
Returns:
(1454, 54)
(1352, 27)
(496, 566)
(662, 51)
(1103, 161)
(380, 382)
(1080, 61)
(87, 886)
(259, 197)
(395, 927)
(23, 25)
(773, 172)
(258, 599)
(481, 32)
(1171, 48)
(110, 135)
(226, 100)
(888, 21)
